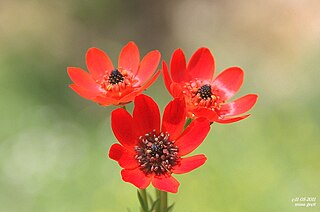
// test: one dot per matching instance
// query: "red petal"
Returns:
(176, 90)
(148, 66)
(174, 117)
(228, 82)
(123, 156)
(123, 128)
(151, 81)
(130, 97)
(81, 78)
(136, 177)
(168, 184)
(166, 77)
(129, 57)
(206, 113)
(146, 114)
(193, 136)
(239, 106)
(201, 64)
(227, 120)
(178, 67)
(98, 63)
(189, 164)
(106, 101)
(85, 93)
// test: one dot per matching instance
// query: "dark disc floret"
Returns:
(205, 91)
(156, 153)
(115, 77)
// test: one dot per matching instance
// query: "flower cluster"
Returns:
(151, 150)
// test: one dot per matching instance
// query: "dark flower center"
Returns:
(156, 153)
(115, 77)
(205, 91)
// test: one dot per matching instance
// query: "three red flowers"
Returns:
(150, 151)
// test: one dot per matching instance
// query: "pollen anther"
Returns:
(200, 94)
(156, 153)
(118, 81)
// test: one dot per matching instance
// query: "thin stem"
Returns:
(163, 201)
(143, 193)
(158, 198)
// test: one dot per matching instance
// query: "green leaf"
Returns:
(170, 208)
(142, 203)
(150, 198)
(155, 205)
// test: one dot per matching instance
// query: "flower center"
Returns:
(115, 77)
(200, 93)
(118, 82)
(156, 153)
(205, 92)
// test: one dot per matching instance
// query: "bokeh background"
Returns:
(54, 144)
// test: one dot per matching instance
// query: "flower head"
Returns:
(150, 153)
(204, 95)
(106, 84)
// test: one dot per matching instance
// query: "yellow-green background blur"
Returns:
(54, 143)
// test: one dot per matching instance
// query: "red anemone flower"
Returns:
(204, 95)
(108, 85)
(149, 153)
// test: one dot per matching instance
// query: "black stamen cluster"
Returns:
(205, 91)
(156, 153)
(115, 77)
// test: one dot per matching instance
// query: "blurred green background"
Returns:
(54, 144)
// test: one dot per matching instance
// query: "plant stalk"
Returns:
(143, 193)
(163, 201)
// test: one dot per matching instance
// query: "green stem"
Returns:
(143, 193)
(163, 201)
(157, 198)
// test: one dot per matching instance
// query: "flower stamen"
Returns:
(205, 91)
(156, 153)
(119, 82)
(200, 94)
(115, 77)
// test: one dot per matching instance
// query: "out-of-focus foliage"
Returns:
(54, 144)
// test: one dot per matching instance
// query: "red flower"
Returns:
(204, 95)
(149, 153)
(107, 85)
